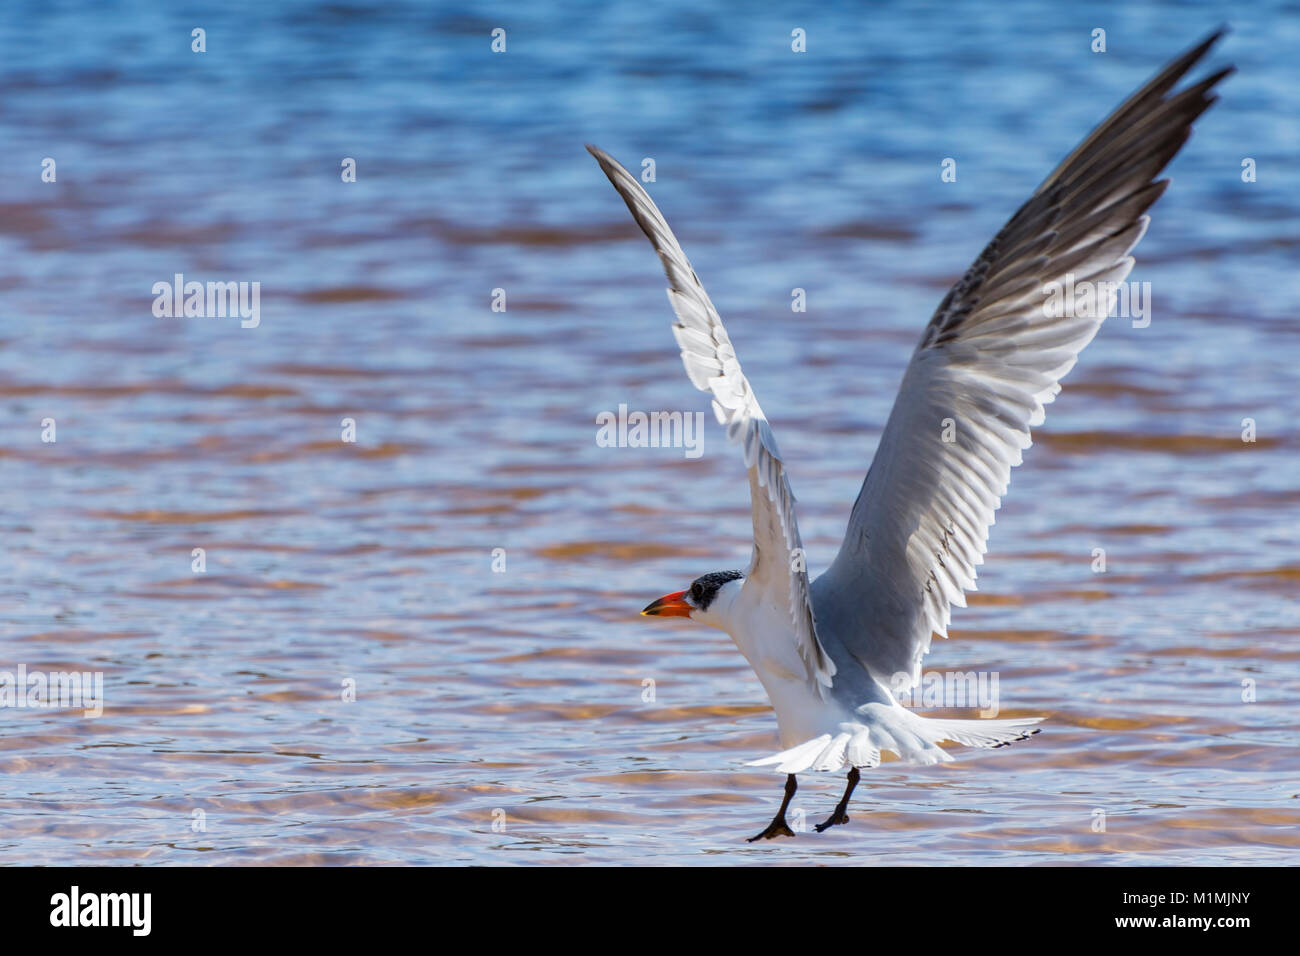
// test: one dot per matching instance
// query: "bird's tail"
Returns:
(914, 739)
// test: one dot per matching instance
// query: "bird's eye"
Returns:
(696, 592)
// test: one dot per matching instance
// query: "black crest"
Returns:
(705, 588)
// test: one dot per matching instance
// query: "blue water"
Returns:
(515, 698)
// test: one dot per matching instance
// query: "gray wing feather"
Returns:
(990, 359)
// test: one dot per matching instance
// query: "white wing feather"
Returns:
(712, 366)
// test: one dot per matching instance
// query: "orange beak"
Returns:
(670, 605)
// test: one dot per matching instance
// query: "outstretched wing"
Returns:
(713, 367)
(991, 357)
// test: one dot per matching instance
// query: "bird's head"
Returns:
(708, 600)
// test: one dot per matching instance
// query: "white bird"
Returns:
(833, 653)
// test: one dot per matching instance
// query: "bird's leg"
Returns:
(778, 825)
(839, 816)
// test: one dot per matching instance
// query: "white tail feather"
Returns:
(914, 739)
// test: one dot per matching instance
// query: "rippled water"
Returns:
(515, 698)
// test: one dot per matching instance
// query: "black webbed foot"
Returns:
(840, 814)
(835, 819)
(778, 826)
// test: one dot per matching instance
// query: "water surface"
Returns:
(516, 697)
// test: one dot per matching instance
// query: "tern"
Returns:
(834, 654)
